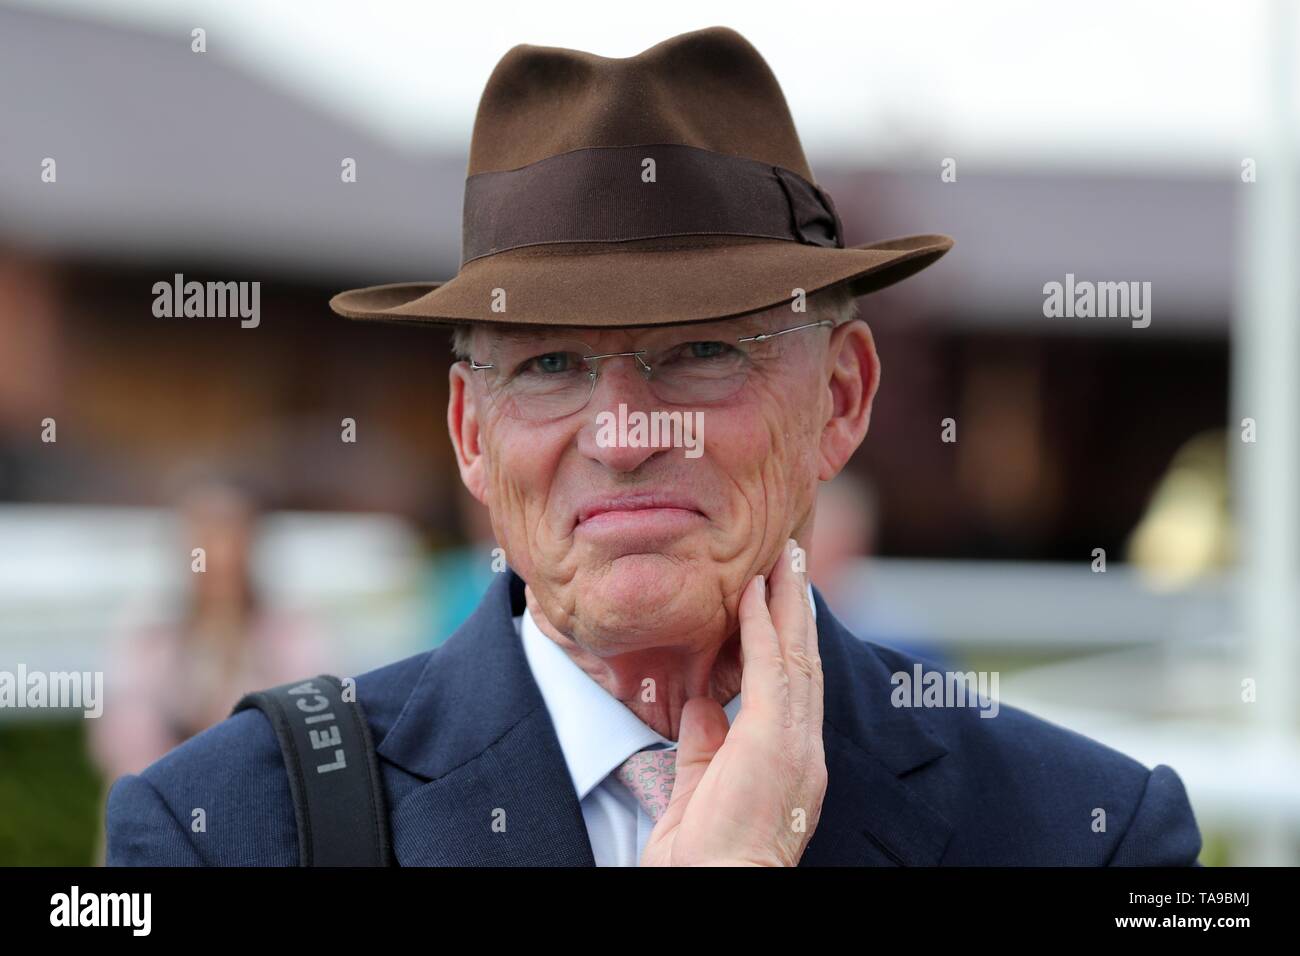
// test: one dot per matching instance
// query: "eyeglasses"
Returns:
(543, 379)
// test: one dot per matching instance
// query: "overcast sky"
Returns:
(1106, 83)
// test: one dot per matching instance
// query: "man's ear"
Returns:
(853, 374)
(463, 424)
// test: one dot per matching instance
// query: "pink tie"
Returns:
(650, 774)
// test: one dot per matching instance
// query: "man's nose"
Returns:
(622, 382)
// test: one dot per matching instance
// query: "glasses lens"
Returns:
(539, 380)
(698, 371)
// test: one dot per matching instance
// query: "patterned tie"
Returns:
(650, 774)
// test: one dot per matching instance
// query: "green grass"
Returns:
(51, 795)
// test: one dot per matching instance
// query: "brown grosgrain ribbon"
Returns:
(598, 195)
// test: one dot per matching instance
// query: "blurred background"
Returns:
(1150, 142)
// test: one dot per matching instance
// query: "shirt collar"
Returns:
(596, 731)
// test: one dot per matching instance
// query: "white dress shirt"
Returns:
(597, 732)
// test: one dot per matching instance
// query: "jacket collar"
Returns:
(498, 791)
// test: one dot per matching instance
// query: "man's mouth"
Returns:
(642, 513)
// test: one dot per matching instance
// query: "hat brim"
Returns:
(639, 283)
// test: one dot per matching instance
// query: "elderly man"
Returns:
(652, 679)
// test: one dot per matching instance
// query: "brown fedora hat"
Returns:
(661, 188)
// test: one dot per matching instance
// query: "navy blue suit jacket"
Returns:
(462, 730)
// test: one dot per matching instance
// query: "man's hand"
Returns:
(751, 795)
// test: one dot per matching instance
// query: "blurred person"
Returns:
(171, 680)
(839, 559)
(844, 534)
(654, 679)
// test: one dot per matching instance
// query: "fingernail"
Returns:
(762, 587)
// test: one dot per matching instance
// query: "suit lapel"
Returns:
(476, 729)
(512, 805)
(493, 788)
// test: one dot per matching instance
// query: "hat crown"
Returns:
(560, 212)
(708, 89)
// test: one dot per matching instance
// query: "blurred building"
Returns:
(1064, 425)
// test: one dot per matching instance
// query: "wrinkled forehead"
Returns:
(503, 334)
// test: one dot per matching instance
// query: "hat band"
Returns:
(620, 193)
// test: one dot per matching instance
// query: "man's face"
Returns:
(630, 547)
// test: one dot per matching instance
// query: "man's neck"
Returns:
(655, 683)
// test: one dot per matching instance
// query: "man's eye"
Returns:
(552, 363)
(706, 350)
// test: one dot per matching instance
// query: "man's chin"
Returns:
(645, 578)
(647, 601)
